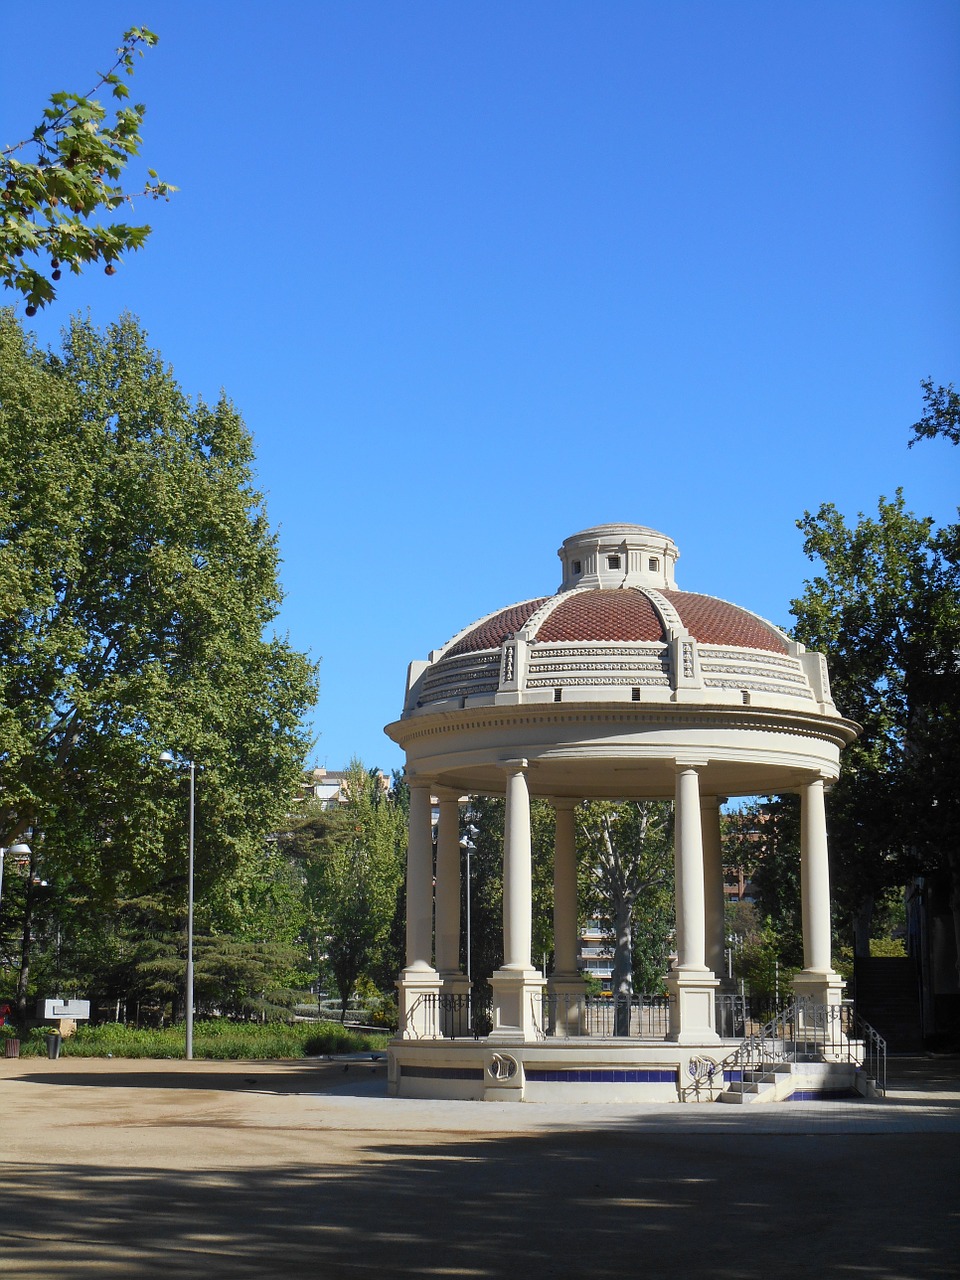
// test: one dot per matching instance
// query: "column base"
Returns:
(819, 986)
(567, 1005)
(693, 1015)
(820, 1013)
(517, 1005)
(419, 1004)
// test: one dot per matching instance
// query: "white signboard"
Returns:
(66, 1009)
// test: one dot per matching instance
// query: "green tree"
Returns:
(485, 815)
(762, 839)
(626, 851)
(941, 415)
(353, 862)
(57, 182)
(138, 576)
(886, 611)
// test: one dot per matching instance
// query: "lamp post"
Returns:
(20, 847)
(467, 845)
(167, 758)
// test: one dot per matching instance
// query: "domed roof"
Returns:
(623, 614)
(618, 629)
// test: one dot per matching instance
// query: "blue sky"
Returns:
(480, 275)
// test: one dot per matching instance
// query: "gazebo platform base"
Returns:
(578, 1069)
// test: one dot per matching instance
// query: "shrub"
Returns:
(216, 1039)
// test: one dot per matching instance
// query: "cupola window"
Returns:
(613, 562)
(653, 564)
(577, 566)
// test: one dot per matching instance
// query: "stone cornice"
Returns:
(686, 716)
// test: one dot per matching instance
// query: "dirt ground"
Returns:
(175, 1169)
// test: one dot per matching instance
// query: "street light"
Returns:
(467, 845)
(19, 848)
(167, 758)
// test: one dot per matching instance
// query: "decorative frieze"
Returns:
(711, 653)
(537, 668)
(598, 680)
(462, 678)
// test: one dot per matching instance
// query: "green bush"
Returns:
(888, 948)
(217, 1039)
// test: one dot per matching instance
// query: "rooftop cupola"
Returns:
(618, 555)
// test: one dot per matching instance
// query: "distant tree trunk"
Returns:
(862, 925)
(623, 966)
(26, 947)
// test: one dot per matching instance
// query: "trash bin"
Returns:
(54, 1041)
(11, 1048)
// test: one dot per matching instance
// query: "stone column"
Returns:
(692, 985)
(713, 882)
(691, 918)
(448, 883)
(817, 981)
(517, 872)
(419, 983)
(516, 984)
(454, 1019)
(566, 987)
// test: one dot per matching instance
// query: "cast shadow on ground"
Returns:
(599, 1203)
(359, 1077)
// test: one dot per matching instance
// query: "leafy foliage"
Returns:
(626, 852)
(217, 1040)
(759, 963)
(352, 861)
(139, 577)
(941, 416)
(763, 839)
(486, 815)
(68, 172)
(886, 611)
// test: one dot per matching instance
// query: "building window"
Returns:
(558, 695)
(577, 567)
(613, 562)
(636, 695)
(653, 564)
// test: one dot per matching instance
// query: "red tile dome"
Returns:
(602, 615)
(713, 621)
(618, 629)
(492, 631)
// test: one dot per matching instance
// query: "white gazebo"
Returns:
(619, 686)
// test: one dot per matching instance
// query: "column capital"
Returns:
(447, 795)
(695, 764)
(564, 802)
(822, 779)
(515, 766)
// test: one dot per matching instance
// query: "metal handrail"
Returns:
(454, 1016)
(806, 1029)
(613, 1017)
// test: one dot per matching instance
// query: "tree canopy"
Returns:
(626, 857)
(885, 608)
(56, 183)
(941, 414)
(138, 575)
(352, 860)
